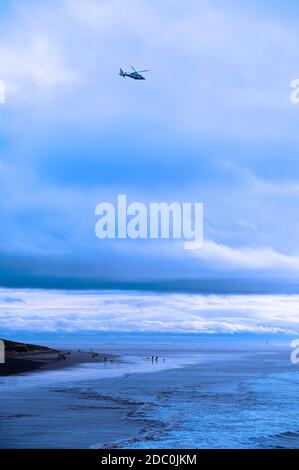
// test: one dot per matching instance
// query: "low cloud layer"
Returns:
(82, 312)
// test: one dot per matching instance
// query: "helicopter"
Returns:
(136, 75)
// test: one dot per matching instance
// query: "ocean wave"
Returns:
(281, 440)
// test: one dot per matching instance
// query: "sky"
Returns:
(213, 123)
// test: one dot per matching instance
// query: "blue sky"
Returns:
(213, 123)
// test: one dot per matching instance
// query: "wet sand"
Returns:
(28, 358)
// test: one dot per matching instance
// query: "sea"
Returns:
(165, 391)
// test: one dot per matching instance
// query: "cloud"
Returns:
(73, 312)
(236, 63)
(251, 258)
(29, 62)
(11, 300)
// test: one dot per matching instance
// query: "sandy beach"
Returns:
(21, 358)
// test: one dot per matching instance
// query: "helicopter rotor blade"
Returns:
(142, 71)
